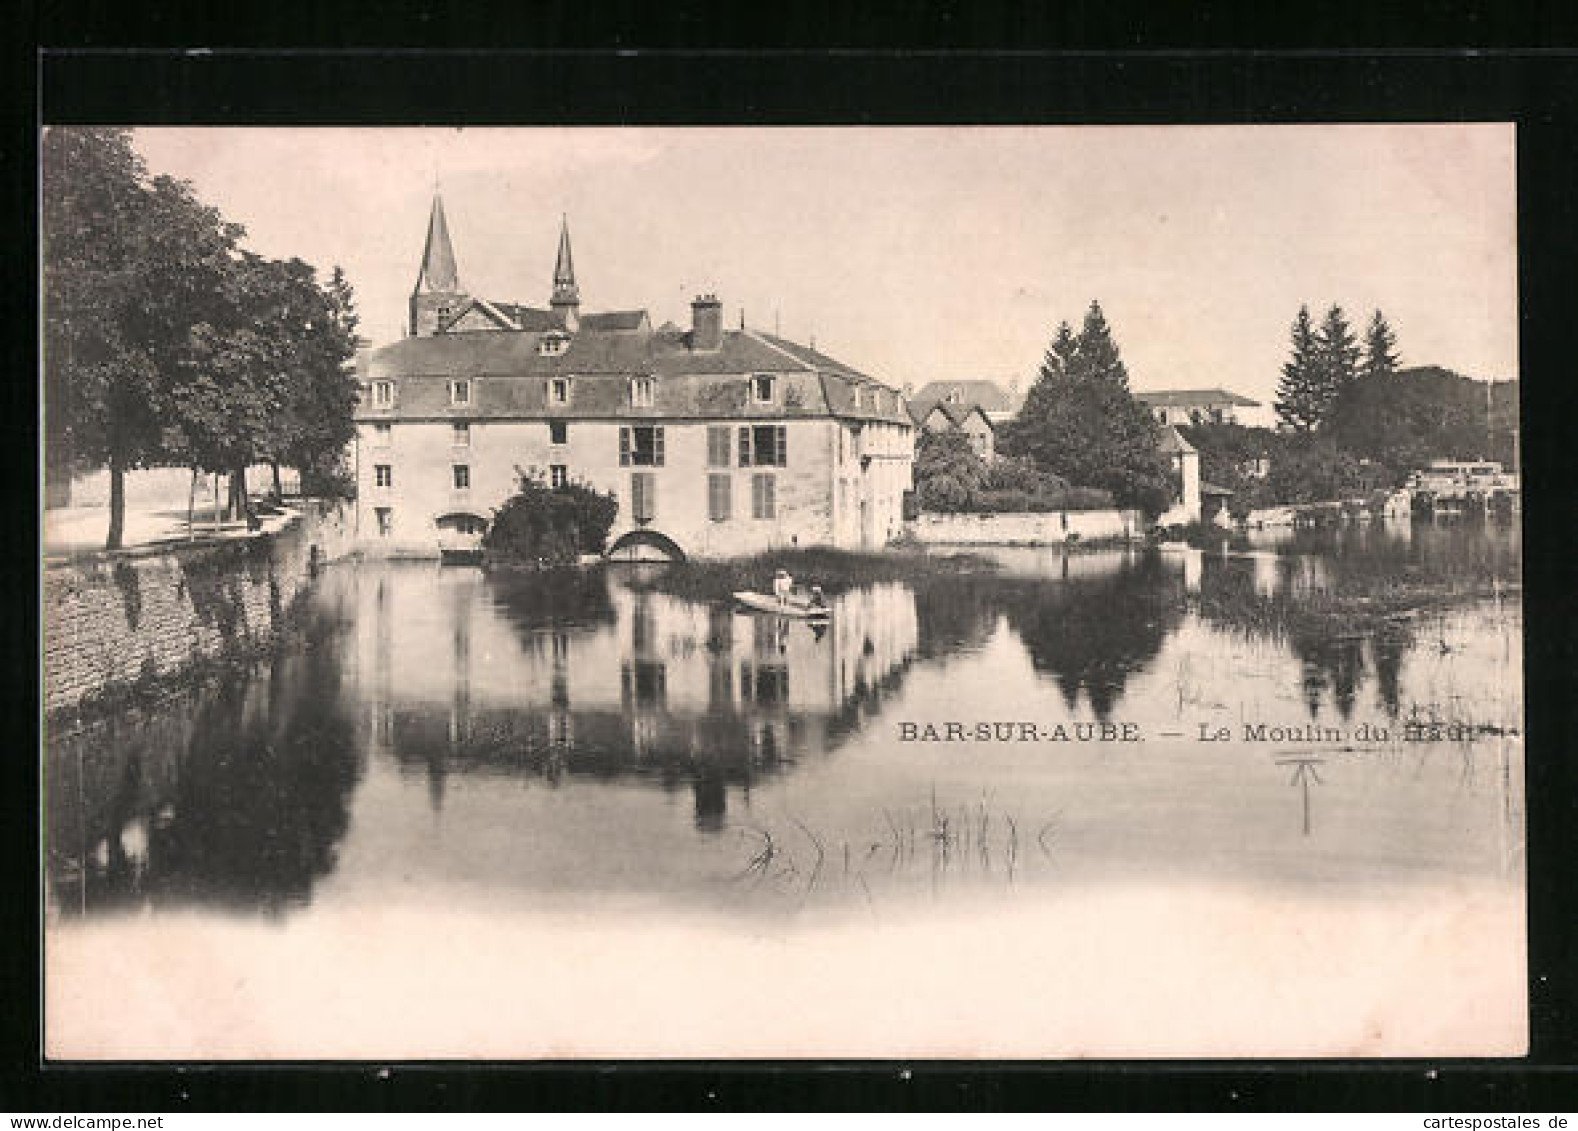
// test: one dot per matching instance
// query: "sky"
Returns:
(921, 254)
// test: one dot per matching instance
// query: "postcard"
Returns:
(798, 593)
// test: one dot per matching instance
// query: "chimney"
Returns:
(706, 323)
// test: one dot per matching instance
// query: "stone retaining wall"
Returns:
(1025, 528)
(113, 619)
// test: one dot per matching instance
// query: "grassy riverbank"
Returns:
(834, 570)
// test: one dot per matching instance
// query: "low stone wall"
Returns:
(111, 620)
(1025, 528)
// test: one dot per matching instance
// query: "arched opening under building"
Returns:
(645, 546)
(460, 535)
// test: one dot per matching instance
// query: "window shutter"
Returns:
(782, 437)
(718, 497)
(769, 496)
(624, 447)
(657, 447)
(745, 447)
(718, 446)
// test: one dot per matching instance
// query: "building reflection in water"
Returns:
(614, 680)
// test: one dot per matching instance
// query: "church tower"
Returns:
(566, 300)
(437, 294)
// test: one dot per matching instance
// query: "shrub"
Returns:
(550, 525)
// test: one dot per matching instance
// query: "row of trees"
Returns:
(1325, 363)
(167, 343)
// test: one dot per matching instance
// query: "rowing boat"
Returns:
(793, 607)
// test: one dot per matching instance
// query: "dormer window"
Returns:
(553, 344)
(559, 391)
(953, 397)
(860, 400)
(643, 390)
(762, 388)
(460, 392)
(383, 394)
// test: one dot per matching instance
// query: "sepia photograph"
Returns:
(658, 593)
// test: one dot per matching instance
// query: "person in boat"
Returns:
(783, 585)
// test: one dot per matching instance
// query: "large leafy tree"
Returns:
(166, 343)
(1302, 391)
(1080, 422)
(266, 380)
(948, 472)
(129, 262)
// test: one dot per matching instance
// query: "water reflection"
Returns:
(236, 798)
(539, 730)
(609, 681)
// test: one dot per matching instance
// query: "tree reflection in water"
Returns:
(235, 797)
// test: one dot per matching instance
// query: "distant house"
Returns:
(1198, 406)
(976, 407)
(1185, 462)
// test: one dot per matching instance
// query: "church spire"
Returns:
(437, 296)
(438, 272)
(566, 295)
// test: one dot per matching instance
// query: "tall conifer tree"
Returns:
(1339, 354)
(1301, 392)
(1380, 348)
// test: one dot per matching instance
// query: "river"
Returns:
(517, 815)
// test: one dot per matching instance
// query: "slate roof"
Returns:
(509, 377)
(614, 321)
(957, 414)
(531, 318)
(1184, 398)
(988, 396)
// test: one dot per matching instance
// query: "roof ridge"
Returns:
(772, 343)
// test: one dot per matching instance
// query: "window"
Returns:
(764, 496)
(462, 473)
(718, 445)
(642, 392)
(460, 435)
(383, 394)
(762, 388)
(553, 344)
(381, 434)
(558, 432)
(558, 475)
(764, 445)
(640, 446)
(383, 475)
(385, 521)
(643, 495)
(859, 398)
(559, 391)
(460, 392)
(719, 504)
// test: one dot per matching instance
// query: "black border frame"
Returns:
(1536, 89)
